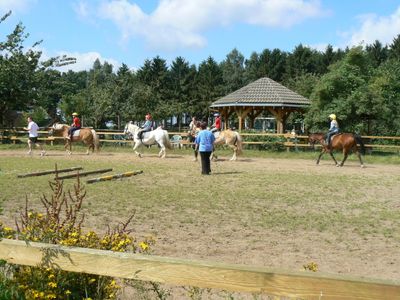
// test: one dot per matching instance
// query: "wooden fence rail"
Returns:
(202, 274)
(115, 137)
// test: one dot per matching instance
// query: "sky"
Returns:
(131, 31)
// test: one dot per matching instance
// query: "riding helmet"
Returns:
(75, 114)
(332, 116)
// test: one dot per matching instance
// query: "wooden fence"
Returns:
(287, 141)
(181, 272)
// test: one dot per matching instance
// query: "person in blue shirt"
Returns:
(204, 144)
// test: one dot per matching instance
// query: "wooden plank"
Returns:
(40, 173)
(196, 273)
(81, 174)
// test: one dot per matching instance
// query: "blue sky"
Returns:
(130, 31)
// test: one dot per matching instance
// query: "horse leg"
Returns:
(334, 159)
(234, 152)
(320, 155)
(135, 147)
(345, 155)
(359, 158)
(162, 152)
(67, 147)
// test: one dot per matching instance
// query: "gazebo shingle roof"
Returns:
(263, 92)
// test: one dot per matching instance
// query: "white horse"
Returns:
(230, 138)
(157, 136)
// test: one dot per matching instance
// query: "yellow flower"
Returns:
(52, 284)
(7, 229)
(51, 276)
(92, 280)
(67, 292)
(144, 246)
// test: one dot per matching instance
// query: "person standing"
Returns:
(194, 128)
(33, 136)
(204, 144)
(76, 124)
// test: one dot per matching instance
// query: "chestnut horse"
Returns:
(87, 135)
(230, 138)
(343, 141)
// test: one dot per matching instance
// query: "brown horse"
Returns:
(230, 138)
(87, 135)
(343, 141)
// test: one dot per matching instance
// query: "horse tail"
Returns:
(360, 141)
(239, 144)
(167, 142)
(96, 141)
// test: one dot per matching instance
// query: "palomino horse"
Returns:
(87, 135)
(157, 136)
(343, 141)
(230, 138)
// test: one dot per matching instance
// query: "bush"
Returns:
(61, 223)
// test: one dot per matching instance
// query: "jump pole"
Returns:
(49, 172)
(116, 176)
(84, 174)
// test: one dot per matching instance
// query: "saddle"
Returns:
(76, 132)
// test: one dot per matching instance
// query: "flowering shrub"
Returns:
(61, 223)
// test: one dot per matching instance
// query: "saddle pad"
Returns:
(76, 132)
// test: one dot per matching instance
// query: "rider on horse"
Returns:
(333, 129)
(217, 124)
(147, 126)
(76, 124)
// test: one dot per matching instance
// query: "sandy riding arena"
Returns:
(265, 212)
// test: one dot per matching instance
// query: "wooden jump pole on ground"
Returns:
(83, 174)
(49, 172)
(116, 176)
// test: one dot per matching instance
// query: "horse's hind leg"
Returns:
(359, 158)
(234, 153)
(162, 152)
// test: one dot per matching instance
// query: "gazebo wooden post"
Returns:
(225, 117)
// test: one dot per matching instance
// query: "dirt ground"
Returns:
(374, 256)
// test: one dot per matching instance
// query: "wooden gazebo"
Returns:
(262, 94)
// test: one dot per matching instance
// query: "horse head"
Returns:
(56, 128)
(315, 138)
(130, 129)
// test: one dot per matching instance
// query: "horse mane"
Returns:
(59, 126)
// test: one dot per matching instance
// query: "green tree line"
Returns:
(360, 85)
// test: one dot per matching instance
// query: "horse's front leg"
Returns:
(135, 147)
(345, 155)
(334, 159)
(67, 147)
(320, 155)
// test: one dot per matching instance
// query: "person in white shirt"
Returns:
(33, 136)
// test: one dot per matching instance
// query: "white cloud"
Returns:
(182, 23)
(373, 27)
(84, 61)
(15, 5)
